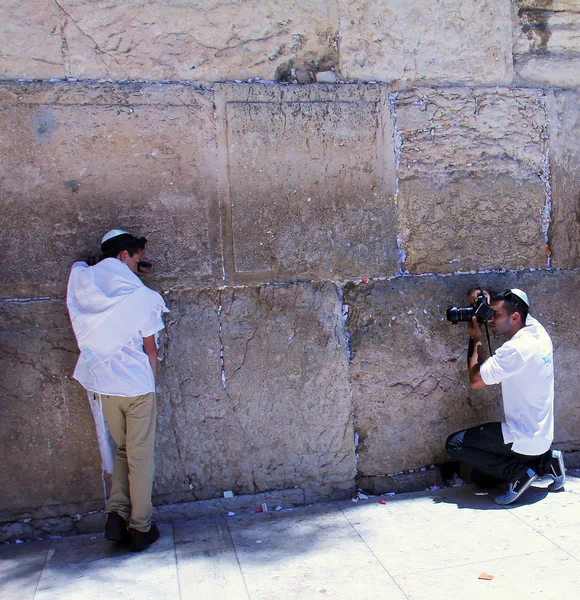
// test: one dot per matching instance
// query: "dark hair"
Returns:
(512, 303)
(125, 241)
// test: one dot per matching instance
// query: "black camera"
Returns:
(482, 310)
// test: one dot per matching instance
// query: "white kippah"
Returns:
(521, 295)
(111, 234)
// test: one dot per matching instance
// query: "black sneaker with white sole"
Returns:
(517, 488)
(557, 471)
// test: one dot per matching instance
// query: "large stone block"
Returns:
(81, 159)
(254, 394)
(169, 40)
(457, 41)
(565, 157)
(32, 44)
(408, 367)
(307, 182)
(472, 179)
(50, 460)
(546, 42)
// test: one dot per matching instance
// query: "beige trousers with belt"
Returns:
(131, 422)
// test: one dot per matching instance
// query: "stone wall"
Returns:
(307, 238)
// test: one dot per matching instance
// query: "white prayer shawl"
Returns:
(107, 304)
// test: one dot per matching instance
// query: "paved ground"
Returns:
(426, 545)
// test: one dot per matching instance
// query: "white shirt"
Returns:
(111, 312)
(524, 367)
(128, 372)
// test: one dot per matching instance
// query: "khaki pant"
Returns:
(131, 422)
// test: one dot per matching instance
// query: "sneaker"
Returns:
(116, 528)
(141, 540)
(517, 488)
(557, 471)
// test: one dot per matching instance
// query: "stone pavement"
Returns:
(424, 545)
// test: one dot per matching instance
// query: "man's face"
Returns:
(501, 323)
(131, 261)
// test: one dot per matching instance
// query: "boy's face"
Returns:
(131, 261)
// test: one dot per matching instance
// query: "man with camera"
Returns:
(116, 319)
(516, 451)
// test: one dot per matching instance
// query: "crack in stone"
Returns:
(245, 353)
(97, 48)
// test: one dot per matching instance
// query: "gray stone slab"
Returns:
(221, 506)
(211, 574)
(46, 416)
(549, 574)
(90, 567)
(201, 535)
(305, 553)
(130, 40)
(565, 153)
(207, 561)
(86, 158)
(278, 416)
(462, 152)
(307, 182)
(422, 40)
(408, 369)
(414, 533)
(20, 569)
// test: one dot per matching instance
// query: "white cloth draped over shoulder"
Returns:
(111, 310)
(108, 304)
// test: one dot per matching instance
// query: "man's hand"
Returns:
(472, 298)
(143, 267)
(474, 330)
(475, 361)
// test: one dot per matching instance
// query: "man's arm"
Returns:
(150, 349)
(475, 355)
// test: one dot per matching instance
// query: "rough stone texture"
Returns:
(469, 159)
(307, 182)
(85, 158)
(284, 417)
(31, 47)
(455, 41)
(401, 482)
(408, 366)
(547, 42)
(94, 522)
(168, 40)
(565, 157)
(49, 449)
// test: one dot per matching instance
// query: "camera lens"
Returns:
(455, 314)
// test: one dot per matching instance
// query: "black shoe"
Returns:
(517, 488)
(557, 471)
(116, 528)
(141, 540)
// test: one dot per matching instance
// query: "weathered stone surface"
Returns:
(307, 182)
(169, 40)
(49, 448)
(565, 157)
(283, 417)
(408, 368)
(457, 41)
(547, 42)
(86, 158)
(401, 482)
(32, 47)
(469, 159)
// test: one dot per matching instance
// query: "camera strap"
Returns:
(488, 340)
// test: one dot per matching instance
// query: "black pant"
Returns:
(493, 460)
